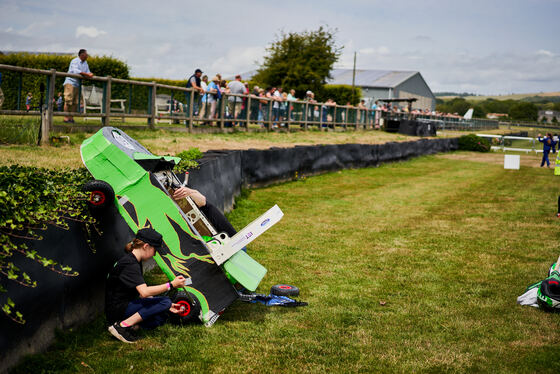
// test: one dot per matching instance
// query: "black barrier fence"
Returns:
(60, 302)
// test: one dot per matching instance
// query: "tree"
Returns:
(523, 111)
(301, 61)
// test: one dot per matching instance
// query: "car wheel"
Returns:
(284, 290)
(189, 308)
(101, 194)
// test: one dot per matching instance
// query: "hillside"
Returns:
(506, 97)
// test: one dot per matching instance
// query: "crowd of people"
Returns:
(267, 103)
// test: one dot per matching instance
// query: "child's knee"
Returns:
(166, 302)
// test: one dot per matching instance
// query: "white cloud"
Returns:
(544, 52)
(90, 31)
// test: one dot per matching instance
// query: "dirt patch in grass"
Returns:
(527, 160)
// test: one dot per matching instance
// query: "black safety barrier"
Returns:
(60, 302)
(262, 167)
(218, 177)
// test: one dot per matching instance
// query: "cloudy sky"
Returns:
(486, 47)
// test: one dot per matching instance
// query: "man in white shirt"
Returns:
(277, 96)
(235, 103)
(80, 66)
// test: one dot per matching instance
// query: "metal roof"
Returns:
(371, 78)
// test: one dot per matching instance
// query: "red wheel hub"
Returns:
(285, 287)
(184, 308)
(97, 198)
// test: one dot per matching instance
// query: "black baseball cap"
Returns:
(150, 236)
(198, 71)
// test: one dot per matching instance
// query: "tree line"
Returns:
(522, 110)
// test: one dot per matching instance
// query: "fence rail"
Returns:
(105, 98)
(512, 143)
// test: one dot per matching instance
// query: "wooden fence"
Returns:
(255, 112)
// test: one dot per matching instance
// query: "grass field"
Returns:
(410, 267)
(162, 142)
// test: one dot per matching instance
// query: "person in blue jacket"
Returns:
(548, 145)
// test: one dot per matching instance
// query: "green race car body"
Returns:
(143, 200)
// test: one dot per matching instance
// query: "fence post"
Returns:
(289, 113)
(107, 102)
(222, 111)
(305, 114)
(191, 109)
(248, 111)
(47, 118)
(129, 98)
(152, 107)
(356, 113)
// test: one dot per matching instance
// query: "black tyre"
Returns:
(190, 309)
(284, 290)
(101, 194)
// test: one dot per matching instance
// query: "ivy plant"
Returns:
(31, 199)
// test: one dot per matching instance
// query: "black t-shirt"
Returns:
(121, 287)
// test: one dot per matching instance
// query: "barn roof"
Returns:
(371, 78)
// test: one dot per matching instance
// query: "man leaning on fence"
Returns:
(235, 103)
(79, 66)
(194, 82)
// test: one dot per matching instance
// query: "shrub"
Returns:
(340, 93)
(188, 159)
(475, 143)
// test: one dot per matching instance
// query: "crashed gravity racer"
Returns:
(140, 184)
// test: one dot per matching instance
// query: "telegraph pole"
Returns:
(353, 77)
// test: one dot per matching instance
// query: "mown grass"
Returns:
(409, 267)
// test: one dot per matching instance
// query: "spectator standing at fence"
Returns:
(255, 105)
(374, 113)
(213, 94)
(59, 102)
(244, 107)
(291, 98)
(277, 96)
(548, 144)
(292, 95)
(79, 66)
(28, 99)
(555, 140)
(263, 106)
(234, 102)
(194, 82)
(204, 85)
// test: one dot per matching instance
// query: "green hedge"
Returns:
(340, 93)
(475, 143)
(140, 94)
(99, 65)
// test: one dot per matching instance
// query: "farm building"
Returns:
(388, 84)
(382, 84)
